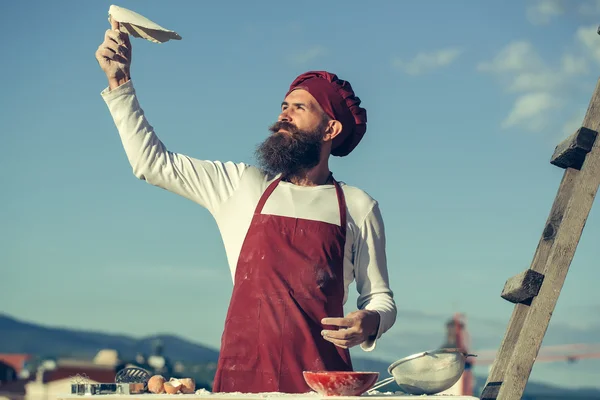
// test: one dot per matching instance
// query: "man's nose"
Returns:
(284, 117)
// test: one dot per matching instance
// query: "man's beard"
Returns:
(290, 153)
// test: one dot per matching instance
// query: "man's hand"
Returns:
(355, 328)
(114, 56)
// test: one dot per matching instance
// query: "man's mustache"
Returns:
(283, 125)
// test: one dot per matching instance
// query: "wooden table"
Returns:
(262, 396)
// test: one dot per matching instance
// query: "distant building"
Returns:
(7, 373)
(15, 360)
(158, 363)
(50, 383)
(55, 376)
(140, 359)
(107, 357)
(456, 337)
(13, 390)
(12, 366)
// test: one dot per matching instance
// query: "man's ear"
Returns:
(333, 129)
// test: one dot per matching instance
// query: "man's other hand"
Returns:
(354, 329)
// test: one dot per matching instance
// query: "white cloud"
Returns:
(590, 9)
(516, 57)
(522, 69)
(541, 12)
(531, 81)
(573, 123)
(574, 65)
(308, 55)
(530, 111)
(588, 38)
(540, 87)
(427, 61)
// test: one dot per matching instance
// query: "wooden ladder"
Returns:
(535, 291)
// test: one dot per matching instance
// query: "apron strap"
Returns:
(338, 191)
(265, 195)
(341, 202)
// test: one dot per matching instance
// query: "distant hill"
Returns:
(24, 337)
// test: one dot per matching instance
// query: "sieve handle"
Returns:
(451, 350)
(382, 383)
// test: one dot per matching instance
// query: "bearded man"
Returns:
(295, 237)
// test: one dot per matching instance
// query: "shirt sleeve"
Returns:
(370, 269)
(208, 183)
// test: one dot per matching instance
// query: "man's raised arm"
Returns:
(207, 183)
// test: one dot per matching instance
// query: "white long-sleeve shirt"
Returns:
(230, 192)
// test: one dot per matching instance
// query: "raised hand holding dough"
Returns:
(139, 26)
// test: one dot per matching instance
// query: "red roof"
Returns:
(15, 360)
(94, 373)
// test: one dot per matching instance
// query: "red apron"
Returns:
(289, 276)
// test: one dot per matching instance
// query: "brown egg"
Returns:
(188, 386)
(156, 384)
(172, 386)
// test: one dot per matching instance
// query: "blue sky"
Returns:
(466, 101)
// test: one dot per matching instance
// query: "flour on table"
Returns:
(204, 392)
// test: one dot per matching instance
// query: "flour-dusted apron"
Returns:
(289, 276)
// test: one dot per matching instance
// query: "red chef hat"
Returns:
(337, 99)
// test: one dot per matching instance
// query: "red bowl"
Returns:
(340, 383)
